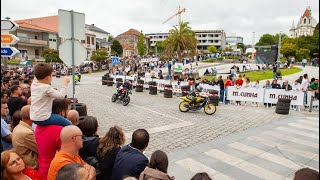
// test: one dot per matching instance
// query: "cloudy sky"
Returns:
(236, 17)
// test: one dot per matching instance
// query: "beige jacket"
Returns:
(154, 174)
(23, 141)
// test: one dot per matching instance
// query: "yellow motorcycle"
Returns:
(195, 102)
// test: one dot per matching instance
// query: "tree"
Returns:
(180, 41)
(141, 45)
(212, 49)
(99, 55)
(302, 53)
(116, 46)
(288, 49)
(267, 40)
(159, 46)
(110, 38)
(50, 55)
(240, 46)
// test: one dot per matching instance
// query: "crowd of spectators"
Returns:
(42, 138)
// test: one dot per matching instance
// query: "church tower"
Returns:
(305, 26)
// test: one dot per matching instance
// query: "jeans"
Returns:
(54, 119)
(221, 97)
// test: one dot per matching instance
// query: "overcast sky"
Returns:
(236, 17)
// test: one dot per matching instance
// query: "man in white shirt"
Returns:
(296, 86)
(304, 86)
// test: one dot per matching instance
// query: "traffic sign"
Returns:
(8, 51)
(115, 60)
(8, 25)
(65, 52)
(9, 39)
(64, 24)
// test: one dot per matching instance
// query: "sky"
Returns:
(235, 17)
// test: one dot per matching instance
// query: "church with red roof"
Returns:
(305, 26)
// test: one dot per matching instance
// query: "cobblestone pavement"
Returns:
(170, 129)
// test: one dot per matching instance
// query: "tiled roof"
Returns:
(32, 26)
(126, 46)
(49, 22)
(131, 32)
(306, 13)
(95, 28)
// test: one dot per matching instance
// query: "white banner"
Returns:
(245, 94)
(315, 102)
(272, 96)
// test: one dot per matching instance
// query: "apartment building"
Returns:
(33, 40)
(205, 38)
(49, 28)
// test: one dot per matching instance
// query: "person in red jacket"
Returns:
(238, 84)
(13, 167)
(226, 85)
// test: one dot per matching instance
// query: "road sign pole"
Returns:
(5, 63)
(73, 67)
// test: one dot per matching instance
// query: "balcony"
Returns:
(32, 42)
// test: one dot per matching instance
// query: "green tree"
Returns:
(99, 55)
(50, 55)
(181, 41)
(116, 47)
(212, 49)
(288, 49)
(141, 45)
(302, 53)
(110, 38)
(267, 40)
(240, 46)
(159, 46)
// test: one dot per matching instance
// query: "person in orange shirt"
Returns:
(71, 143)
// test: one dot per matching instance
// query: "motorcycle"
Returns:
(77, 78)
(195, 102)
(122, 95)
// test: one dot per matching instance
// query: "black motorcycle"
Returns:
(122, 95)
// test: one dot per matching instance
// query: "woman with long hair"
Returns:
(108, 149)
(13, 168)
(157, 168)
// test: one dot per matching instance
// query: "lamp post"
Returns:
(279, 47)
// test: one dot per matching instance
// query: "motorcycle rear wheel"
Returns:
(126, 101)
(210, 109)
(114, 97)
(184, 106)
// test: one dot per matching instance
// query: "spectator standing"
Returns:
(108, 149)
(23, 139)
(130, 160)
(48, 137)
(201, 176)
(304, 86)
(275, 84)
(15, 100)
(304, 62)
(306, 174)
(73, 116)
(286, 86)
(227, 84)
(296, 86)
(6, 137)
(220, 83)
(238, 85)
(89, 128)
(73, 171)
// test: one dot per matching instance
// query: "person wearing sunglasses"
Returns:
(14, 168)
(71, 142)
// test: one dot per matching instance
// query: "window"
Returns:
(309, 21)
(35, 37)
(50, 39)
(54, 40)
(216, 35)
(83, 41)
(88, 39)
(216, 41)
(305, 21)
(92, 40)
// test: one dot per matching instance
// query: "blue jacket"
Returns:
(129, 162)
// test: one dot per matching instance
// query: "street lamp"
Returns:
(279, 47)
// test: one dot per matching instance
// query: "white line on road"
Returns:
(195, 167)
(243, 165)
(302, 133)
(304, 127)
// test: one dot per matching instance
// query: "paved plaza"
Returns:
(237, 142)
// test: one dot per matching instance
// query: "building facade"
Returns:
(305, 26)
(129, 41)
(33, 40)
(50, 24)
(205, 38)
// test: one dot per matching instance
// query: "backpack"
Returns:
(93, 161)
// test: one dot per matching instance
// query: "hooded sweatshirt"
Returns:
(154, 174)
(90, 145)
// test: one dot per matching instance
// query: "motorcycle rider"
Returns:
(123, 88)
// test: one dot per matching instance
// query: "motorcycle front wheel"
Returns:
(184, 106)
(210, 109)
(114, 97)
(126, 101)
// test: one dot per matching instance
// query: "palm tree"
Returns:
(180, 41)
